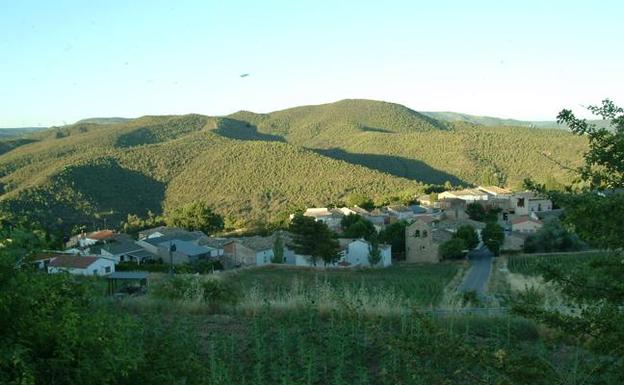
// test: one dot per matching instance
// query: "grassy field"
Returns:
(530, 264)
(368, 326)
(373, 290)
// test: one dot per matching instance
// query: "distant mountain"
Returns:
(10, 132)
(252, 167)
(103, 120)
(492, 121)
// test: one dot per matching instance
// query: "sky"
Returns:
(65, 60)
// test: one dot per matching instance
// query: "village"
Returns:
(428, 224)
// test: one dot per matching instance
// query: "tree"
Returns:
(349, 220)
(361, 228)
(475, 211)
(493, 237)
(594, 290)
(469, 235)
(313, 238)
(394, 235)
(360, 200)
(195, 216)
(553, 237)
(453, 249)
(374, 253)
(278, 250)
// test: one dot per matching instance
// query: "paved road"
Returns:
(480, 267)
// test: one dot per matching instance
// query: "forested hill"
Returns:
(262, 166)
(492, 121)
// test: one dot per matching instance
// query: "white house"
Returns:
(79, 265)
(469, 195)
(331, 217)
(358, 251)
(525, 203)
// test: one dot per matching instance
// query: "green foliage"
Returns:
(314, 239)
(604, 167)
(553, 237)
(469, 235)
(57, 329)
(278, 250)
(355, 226)
(374, 253)
(404, 286)
(134, 224)
(475, 211)
(394, 235)
(195, 216)
(593, 290)
(360, 200)
(493, 237)
(453, 249)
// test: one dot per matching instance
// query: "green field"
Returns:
(530, 264)
(396, 287)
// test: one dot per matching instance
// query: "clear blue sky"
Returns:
(65, 60)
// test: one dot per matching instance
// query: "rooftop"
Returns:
(523, 219)
(73, 261)
(465, 192)
(129, 275)
(185, 247)
(101, 235)
(495, 190)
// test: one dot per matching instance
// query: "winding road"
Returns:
(480, 268)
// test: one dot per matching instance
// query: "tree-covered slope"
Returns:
(260, 166)
(90, 173)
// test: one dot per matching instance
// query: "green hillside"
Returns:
(448, 116)
(253, 167)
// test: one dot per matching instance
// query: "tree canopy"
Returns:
(314, 239)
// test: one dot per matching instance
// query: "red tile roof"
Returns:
(101, 235)
(74, 261)
(524, 218)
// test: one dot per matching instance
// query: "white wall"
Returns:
(96, 268)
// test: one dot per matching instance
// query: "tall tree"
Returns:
(493, 237)
(278, 249)
(468, 234)
(314, 239)
(374, 252)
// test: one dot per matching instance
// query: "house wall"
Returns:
(237, 254)
(536, 205)
(419, 244)
(357, 253)
(264, 257)
(98, 268)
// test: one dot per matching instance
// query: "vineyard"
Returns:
(372, 290)
(531, 264)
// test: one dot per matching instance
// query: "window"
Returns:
(520, 202)
(107, 269)
(417, 233)
(424, 233)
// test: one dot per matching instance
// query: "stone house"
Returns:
(423, 240)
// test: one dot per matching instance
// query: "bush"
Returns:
(179, 288)
(219, 292)
(453, 249)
